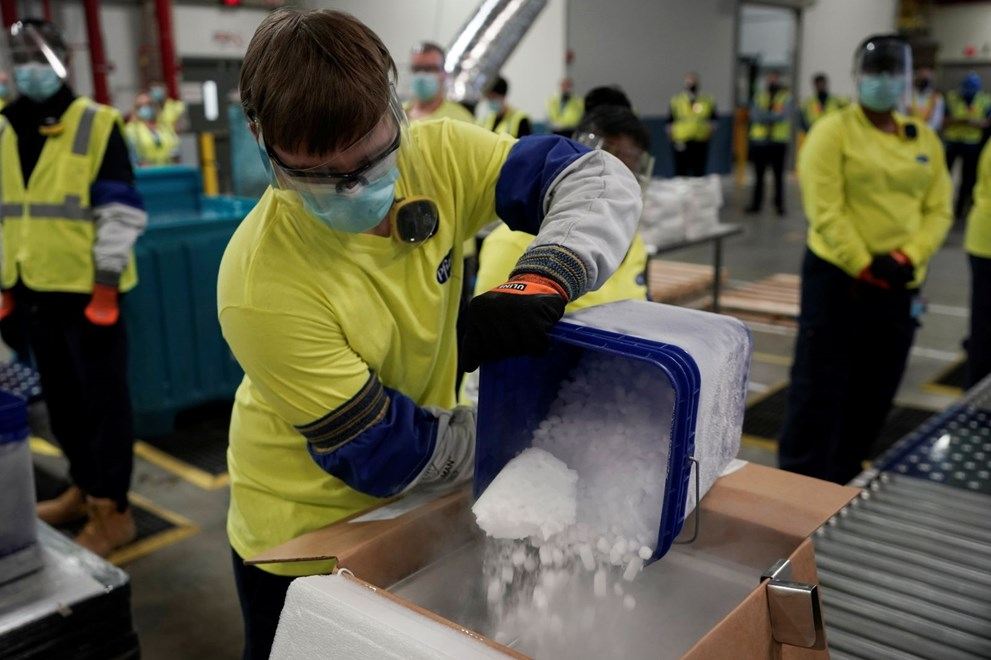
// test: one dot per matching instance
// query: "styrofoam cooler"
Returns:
(19, 550)
(699, 360)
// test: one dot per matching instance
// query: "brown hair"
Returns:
(315, 80)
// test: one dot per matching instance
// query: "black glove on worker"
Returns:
(895, 269)
(512, 319)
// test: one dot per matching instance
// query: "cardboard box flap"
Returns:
(363, 541)
(782, 501)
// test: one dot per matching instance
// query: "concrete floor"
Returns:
(184, 601)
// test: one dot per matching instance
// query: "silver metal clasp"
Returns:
(793, 607)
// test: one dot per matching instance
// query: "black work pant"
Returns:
(969, 155)
(979, 342)
(763, 155)
(262, 596)
(83, 370)
(850, 355)
(692, 160)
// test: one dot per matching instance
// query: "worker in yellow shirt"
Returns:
(500, 116)
(152, 142)
(338, 294)
(5, 90)
(691, 123)
(877, 196)
(171, 112)
(770, 132)
(927, 105)
(564, 110)
(71, 215)
(977, 244)
(821, 103)
(968, 115)
(428, 82)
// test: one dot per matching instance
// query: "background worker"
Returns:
(339, 292)
(927, 105)
(821, 103)
(428, 82)
(501, 117)
(691, 123)
(877, 196)
(967, 116)
(977, 244)
(171, 112)
(68, 233)
(770, 131)
(565, 110)
(152, 142)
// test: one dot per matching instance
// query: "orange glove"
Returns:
(102, 308)
(7, 306)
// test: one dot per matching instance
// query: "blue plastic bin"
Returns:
(516, 395)
(178, 357)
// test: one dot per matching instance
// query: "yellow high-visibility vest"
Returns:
(152, 146)
(813, 110)
(567, 115)
(780, 130)
(958, 109)
(924, 112)
(48, 224)
(509, 123)
(692, 119)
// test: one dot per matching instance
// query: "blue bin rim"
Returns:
(13, 418)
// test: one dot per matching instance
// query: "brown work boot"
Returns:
(66, 508)
(108, 528)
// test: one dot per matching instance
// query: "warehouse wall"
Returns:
(831, 32)
(956, 27)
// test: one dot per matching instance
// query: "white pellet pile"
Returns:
(573, 519)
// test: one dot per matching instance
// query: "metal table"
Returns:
(714, 235)
(78, 605)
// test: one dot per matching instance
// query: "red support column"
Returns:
(163, 10)
(97, 58)
(9, 10)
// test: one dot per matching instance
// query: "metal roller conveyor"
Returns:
(943, 522)
(843, 645)
(903, 643)
(938, 595)
(970, 623)
(916, 538)
(897, 619)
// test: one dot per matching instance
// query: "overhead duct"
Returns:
(484, 44)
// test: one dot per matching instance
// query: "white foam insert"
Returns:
(721, 347)
(332, 616)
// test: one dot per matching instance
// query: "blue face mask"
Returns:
(146, 113)
(4, 91)
(495, 107)
(424, 85)
(881, 93)
(36, 81)
(354, 213)
(157, 94)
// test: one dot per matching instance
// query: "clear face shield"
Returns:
(356, 188)
(38, 59)
(640, 162)
(883, 72)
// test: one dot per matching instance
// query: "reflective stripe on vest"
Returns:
(510, 122)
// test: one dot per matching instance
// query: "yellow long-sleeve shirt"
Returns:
(868, 193)
(977, 239)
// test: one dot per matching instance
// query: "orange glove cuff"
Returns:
(530, 284)
(102, 308)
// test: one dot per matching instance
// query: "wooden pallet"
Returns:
(772, 300)
(677, 283)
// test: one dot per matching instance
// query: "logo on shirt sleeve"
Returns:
(922, 158)
(444, 270)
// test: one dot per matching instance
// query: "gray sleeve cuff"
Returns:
(557, 263)
(107, 278)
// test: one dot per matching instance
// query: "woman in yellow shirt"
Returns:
(152, 141)
(877, 195)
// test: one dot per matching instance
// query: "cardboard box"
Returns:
(750, 519)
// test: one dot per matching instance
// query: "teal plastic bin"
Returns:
(178, 357)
